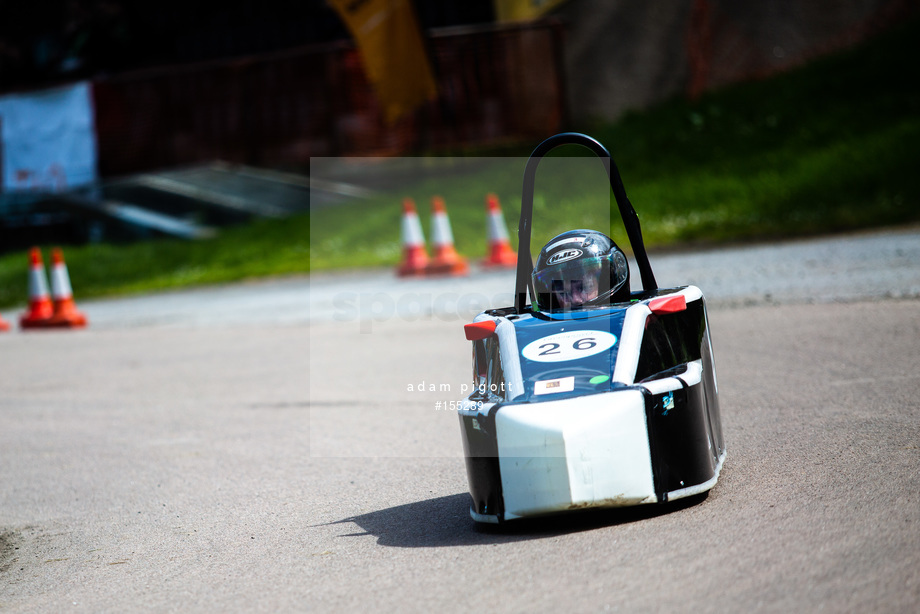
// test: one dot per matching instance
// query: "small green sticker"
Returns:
(599, 379)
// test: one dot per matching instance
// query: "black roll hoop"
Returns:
(523, 282)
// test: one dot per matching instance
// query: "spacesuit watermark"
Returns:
(369, 307)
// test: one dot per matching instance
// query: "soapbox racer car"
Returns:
(605, 406)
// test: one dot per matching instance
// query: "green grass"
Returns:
(830, 147)
(259, 249)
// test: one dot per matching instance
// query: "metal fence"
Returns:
(496, 84)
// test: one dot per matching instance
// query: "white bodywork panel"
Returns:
(691, 377)
(511, 358)
(630, 339)
(589, 451)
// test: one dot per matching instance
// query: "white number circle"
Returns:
(571, 345)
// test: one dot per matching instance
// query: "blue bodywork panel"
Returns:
(572, 344)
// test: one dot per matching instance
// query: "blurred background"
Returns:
(128, 121)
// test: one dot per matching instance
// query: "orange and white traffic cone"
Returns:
(446, 260)
(500, 252)
(4, 325)
(66, 314)
(415, 256)
(40, 308)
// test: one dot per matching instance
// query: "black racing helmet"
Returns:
(580, 268)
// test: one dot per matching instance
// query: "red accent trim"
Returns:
(476, 331)
(668, 304)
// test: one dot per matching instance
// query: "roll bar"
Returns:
(523, 283)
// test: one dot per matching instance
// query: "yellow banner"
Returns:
(388, 37)
(522, 10)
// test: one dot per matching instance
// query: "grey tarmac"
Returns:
(266, 447)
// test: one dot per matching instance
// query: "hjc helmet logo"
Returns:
(564, 256)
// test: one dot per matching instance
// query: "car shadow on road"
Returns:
(445, 521)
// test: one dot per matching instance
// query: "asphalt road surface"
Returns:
(262, 447)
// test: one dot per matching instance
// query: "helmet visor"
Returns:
(573, 284)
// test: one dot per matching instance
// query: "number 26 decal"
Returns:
(569, 346)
